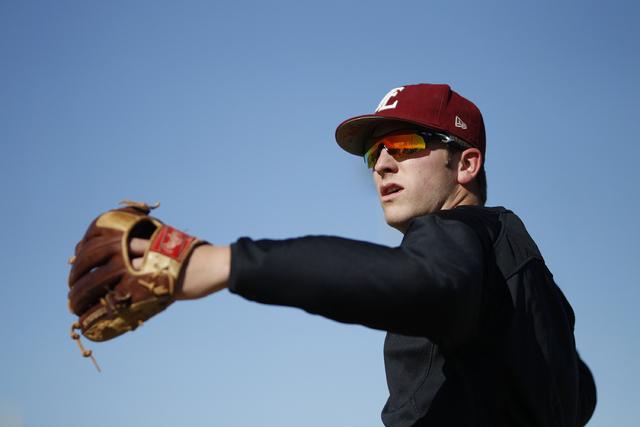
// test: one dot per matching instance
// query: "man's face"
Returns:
(416, 185)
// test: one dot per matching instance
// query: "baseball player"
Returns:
(478, 332)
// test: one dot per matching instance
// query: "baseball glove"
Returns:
(106, 292)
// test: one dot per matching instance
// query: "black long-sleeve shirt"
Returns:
(479, 334)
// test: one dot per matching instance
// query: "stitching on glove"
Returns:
(158, 291)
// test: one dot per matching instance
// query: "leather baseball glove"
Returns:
(106, 292)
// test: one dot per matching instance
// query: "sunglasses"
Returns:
(402, 143)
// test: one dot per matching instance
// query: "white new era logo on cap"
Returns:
(460, 123)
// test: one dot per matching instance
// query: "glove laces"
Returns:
(85, 353)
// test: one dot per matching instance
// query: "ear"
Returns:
(469, 165)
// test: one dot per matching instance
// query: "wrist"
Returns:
(207, 271)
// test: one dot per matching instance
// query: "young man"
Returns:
(478, 332)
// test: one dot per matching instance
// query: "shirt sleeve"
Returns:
(429, 286)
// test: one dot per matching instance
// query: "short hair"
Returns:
(481, 178)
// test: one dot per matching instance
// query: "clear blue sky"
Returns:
(225, 113)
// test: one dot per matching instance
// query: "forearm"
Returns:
(207, 272)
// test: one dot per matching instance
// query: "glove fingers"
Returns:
(95, 232)
(92, 254)
(88, 290)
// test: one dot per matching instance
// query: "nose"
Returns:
(385, 163)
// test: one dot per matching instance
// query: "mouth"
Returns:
(390, 190)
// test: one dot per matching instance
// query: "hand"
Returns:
(207, 270)
(137, 246)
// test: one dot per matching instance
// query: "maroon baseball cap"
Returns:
(433, 106)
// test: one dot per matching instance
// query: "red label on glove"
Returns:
(171, 242)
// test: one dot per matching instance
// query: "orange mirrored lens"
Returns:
(398, 145)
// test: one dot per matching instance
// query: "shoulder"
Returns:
(465, 229)
(474, 215)
(482, 222)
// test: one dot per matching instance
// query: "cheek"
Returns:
(433, 181)
(424, 179)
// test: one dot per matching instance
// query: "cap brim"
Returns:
(352, 134)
